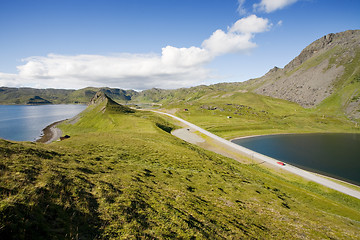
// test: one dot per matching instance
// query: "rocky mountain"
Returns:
(327, 67)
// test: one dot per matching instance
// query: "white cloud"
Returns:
(184, 57)
(174, 68)
(250, 24)
(222, 43)
(280, 23)
(272, 5)
(8, 79)
(241, 9)
(238, 38)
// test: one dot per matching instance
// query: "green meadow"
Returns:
(122, 175)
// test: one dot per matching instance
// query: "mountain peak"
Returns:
(346, 39)
(99, 97)
(272, 71)
(327, 66)
(110, 105)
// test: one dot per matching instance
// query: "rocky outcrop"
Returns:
(98, 98)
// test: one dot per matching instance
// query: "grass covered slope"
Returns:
(121, 175)
(253, 114)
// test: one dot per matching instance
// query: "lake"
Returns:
(336, 155)
(26, 122)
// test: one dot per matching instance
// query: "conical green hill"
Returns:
(109, 104)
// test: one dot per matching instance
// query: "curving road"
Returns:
(260, 157)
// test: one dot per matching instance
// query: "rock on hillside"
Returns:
(321, 69)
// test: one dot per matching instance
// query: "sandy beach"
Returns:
(50, 133)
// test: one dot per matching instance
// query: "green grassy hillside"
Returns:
(253, 114)
(121, 175)
(61, 96)
(23, 95)
(346, 98)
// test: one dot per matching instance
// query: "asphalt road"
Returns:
(262, 158)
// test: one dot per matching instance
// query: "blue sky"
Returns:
(140, 44)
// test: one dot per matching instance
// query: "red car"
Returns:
(281, 163)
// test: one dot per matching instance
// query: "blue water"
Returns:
(336, 155)
(25, 123)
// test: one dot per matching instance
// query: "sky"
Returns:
(142, 44)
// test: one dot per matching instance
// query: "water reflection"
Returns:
(335, 155)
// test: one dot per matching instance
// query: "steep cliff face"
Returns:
(326, 67)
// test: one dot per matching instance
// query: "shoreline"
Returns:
(275, 134)
(263, 135)
(311, 170)
(50, 133)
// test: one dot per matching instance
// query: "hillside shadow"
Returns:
(49, 220)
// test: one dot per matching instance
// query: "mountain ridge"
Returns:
(316, 73)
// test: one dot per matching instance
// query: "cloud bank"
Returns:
(173, 68)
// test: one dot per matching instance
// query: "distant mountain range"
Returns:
(57, 96)
(326, 75)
